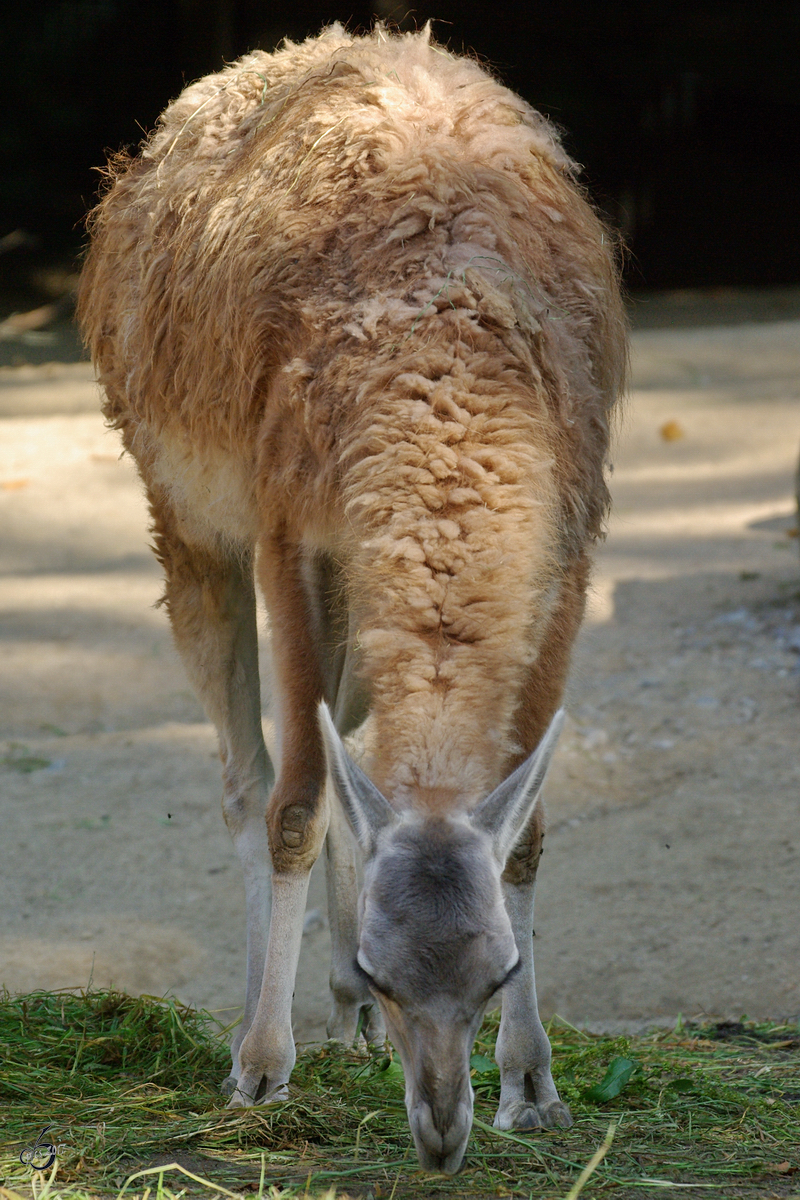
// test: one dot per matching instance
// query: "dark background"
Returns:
(685, 117)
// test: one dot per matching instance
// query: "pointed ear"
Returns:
(504, 814)
(366, 809)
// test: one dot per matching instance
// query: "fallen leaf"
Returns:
(615, 1079)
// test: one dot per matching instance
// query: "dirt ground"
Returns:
(671, 881)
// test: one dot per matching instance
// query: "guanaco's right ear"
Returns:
(367, 810)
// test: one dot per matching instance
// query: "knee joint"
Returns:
(523, 860)
(240, 806)
(296, 825)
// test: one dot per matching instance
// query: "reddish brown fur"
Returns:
(298, 677)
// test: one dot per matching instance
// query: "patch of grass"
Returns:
(129, 1089)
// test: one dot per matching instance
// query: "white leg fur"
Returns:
(247, 777)
(528, 1096)
(267, 1054)
(252, 847)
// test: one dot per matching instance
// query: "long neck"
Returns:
(452, 581)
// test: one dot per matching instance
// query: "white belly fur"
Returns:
(211, 490)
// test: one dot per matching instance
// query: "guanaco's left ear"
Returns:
(504, 814)
(366, 808)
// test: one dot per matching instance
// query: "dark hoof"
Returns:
(528, 1118)
(521, 1116)
(556, 1116)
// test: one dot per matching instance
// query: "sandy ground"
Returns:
(671, 882)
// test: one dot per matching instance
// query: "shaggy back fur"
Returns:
(356, 281)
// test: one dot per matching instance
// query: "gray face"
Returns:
(436, 944)
(435, 939)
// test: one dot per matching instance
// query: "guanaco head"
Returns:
(435, 941)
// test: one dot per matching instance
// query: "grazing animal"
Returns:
(362, 333)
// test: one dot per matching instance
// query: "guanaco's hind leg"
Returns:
(351, 999)
(210, 598)
(335, 637)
